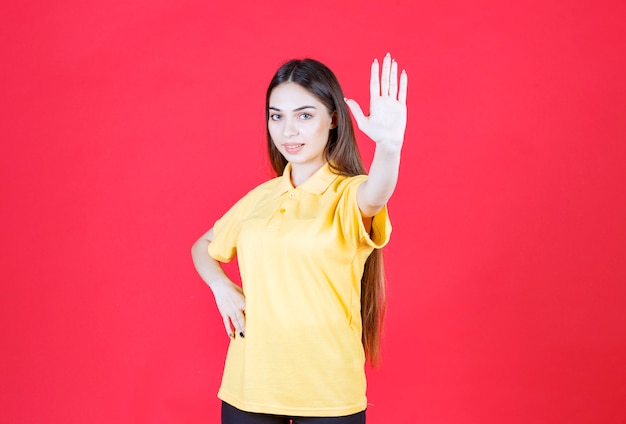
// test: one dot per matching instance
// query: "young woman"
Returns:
(307, 243)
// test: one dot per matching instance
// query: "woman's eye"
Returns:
(274, 117)
(306, 116)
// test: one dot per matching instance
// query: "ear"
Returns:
(333, 120)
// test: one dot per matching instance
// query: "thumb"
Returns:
(358, 114)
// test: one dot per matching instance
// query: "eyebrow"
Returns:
(295, 110)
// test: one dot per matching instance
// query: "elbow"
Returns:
(371, 201)
(371, 205)
(199, 248)
(370, 210)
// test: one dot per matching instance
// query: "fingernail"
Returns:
(388, 54)
(241, 335)
(345, 99)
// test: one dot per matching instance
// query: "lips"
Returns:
(293, 147)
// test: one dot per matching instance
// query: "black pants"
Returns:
(232, 415)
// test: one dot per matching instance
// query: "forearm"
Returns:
(229, 297)
(382, 179)
(385, 125)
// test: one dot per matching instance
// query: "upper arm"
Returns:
(367, 225)
(208, 236)
(204, 238)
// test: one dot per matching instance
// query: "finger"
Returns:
(239, 321)
(384, 78)
(393, 80)
(357, 112)
(374, 81)
(404, 82)
(229, 328)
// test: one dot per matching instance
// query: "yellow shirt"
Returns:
(301, 253)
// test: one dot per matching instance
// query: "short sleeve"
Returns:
(223, 248)
(350, 214)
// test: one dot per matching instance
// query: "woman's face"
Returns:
(299, 125)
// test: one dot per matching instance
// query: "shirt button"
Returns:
(292, 195)
(282, 211)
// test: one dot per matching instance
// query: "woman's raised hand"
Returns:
(387, 115)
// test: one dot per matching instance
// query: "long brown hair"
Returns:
(343, 156)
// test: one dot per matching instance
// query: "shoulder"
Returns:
(250, 199)
(264, 189)
(345, 183)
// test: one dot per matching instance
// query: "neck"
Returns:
(302, 172)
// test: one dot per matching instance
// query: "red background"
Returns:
(129, 127)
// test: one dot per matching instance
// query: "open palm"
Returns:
(387, 113)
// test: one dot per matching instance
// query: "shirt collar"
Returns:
(316, 184)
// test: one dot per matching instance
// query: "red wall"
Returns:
(128, 127)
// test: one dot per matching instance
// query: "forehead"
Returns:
(289, 95)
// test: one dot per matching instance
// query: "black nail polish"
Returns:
(241, 334)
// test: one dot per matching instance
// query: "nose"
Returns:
(290, 129)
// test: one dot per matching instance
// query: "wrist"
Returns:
(217, 284)
(389, 148)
